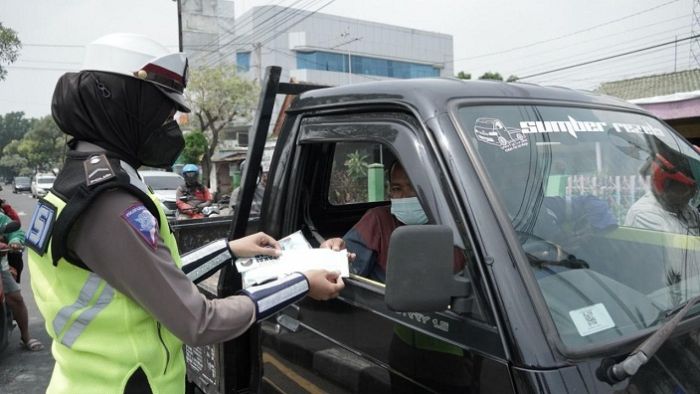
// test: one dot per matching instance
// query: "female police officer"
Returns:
(104, 264)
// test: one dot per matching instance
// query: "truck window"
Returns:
(354, 164)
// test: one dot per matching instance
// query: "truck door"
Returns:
(355, 343)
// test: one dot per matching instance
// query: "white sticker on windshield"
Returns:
(493, 131)
(591, 319)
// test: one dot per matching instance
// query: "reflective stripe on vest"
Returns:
(87, 294)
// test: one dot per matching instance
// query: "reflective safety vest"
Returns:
(100, 336)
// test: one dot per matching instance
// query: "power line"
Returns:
(625, 45)
(260, 38)
(609, 57)
(569, 34)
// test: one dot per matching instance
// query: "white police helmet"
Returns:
(140, 57)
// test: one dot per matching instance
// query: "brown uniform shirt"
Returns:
(116, 252)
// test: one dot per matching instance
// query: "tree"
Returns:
(9, 48)
(491, 75)
(512, 78)
(43, 146)
(463, 75)
(13, 126)
(195, 147)
(218, 96)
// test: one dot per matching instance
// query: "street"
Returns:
(22, 371)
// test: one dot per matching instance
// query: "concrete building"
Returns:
(204, 24)
(334, 50)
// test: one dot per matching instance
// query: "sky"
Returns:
(522, 38)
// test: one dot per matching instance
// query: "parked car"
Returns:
(41, 184)
(164, 184)
(21, 184)
(556, 293)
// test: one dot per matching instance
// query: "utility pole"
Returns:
(346, 35)
(258, 58)
(694, 30)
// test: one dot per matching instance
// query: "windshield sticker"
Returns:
(591, 319)
(493, 131)
(573, 126)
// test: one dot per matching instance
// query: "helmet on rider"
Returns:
(191, 174)
(672, 180)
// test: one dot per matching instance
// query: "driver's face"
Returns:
(400, 186)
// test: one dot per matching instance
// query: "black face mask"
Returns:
(163, 146)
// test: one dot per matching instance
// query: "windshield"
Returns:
(604, 205)
(22, 180)
(160, 182)
(45, 180)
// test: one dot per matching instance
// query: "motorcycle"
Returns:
(197, 210)
(6, 320)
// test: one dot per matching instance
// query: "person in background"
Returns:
(14, 259)
(666, 207)
(192, 196)
(12, 244)
(105, 267)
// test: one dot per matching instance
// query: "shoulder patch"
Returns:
(37, 238)
(143, 221)
(97, 169)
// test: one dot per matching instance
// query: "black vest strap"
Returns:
(95, 177)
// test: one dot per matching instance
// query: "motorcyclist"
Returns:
(192, 196)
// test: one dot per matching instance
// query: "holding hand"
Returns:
(254, 245)
(337, 244)
(324, 285)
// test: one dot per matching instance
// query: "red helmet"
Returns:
(671, 185)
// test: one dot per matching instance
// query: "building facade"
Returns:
(332, 50)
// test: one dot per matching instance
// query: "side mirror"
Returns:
(420, 274)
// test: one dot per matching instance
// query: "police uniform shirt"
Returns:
(143, 270)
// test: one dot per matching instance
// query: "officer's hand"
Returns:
(324, 285)
(16, 246)
(337, 244)
(254, 245)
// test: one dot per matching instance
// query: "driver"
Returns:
(192, 196)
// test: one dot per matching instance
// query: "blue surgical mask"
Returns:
(408, 210)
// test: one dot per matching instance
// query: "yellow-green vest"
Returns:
(100, 336)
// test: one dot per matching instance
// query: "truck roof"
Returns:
(432, 94)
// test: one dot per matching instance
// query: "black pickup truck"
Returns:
(531, 187)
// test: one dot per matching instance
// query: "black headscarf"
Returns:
(115, 112)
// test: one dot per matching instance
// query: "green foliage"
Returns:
(218, 96)
(356, 165)
(463, 75)
(9, 48)
(512, 78)
(13, 126)
(42, 146)
(195, 147)
(349, 185)
(491, 75)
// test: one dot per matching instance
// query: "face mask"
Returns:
(408, 210)
(163, 146)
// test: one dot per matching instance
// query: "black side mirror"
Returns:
(420, 274)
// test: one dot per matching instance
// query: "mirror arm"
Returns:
(461, 295)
